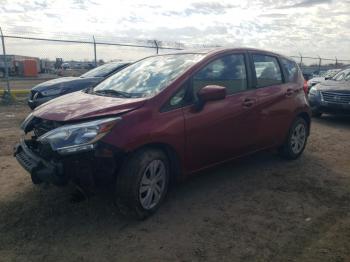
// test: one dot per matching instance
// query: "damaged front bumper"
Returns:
(40, 169)
(87, 168)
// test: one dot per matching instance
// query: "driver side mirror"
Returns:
(209, 93)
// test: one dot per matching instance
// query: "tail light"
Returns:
(305, 87)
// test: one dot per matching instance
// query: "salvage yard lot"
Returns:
(261, 208)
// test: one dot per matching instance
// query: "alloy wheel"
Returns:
(152, 185)
(298, 138)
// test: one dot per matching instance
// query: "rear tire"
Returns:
(142, 182)
(296, 140)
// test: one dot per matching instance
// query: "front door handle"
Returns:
(248, 102)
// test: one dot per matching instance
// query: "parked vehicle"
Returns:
(57, 87)
(331, 96)
(327, 75)
(165, 117)
(319, 73)
(307, 76)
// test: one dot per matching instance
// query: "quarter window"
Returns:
(228, 71)
(177, 100)
(291, 70)
(267, 70)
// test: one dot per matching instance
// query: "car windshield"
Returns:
(331, 72)
(147, 77)
(342, 75)
(102, 71)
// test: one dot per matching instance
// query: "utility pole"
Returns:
(336, 62)
(156, 44)
(319, 64)
(95, 55)
(7, 93)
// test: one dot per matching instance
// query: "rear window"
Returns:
(267, 70)
(291, 70)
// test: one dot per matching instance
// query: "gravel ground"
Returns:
(261, 208)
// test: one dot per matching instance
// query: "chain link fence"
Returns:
(313, 66)
(26, 60)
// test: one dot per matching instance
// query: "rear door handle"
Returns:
(248, 102)
(289, 92)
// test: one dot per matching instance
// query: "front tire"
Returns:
(296, 140)
(142, 182)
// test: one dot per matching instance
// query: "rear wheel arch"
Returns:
(296, 139)
(307, 119)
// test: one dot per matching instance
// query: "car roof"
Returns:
(213, 51)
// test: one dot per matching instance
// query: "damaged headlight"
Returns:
(313, 90)
(26, 122)
(78, 137)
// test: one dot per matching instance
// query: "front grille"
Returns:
(27, 162)
(336, 97)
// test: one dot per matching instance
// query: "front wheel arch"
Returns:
(176, 168)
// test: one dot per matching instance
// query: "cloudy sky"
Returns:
(310, 27)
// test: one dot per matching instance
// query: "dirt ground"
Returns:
(261, 208)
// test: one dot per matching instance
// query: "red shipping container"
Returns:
(30, 67)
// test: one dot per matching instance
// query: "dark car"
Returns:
(165, 117)
(331, 96)
(307, 76)
(57, 87)
(320, 78)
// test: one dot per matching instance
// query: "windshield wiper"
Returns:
(113, 92)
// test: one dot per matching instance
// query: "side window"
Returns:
(267, 70)
(291, 70)
(228, 71)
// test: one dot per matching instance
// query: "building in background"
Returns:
(20, 65)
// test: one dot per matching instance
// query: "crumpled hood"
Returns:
(63, 82)
(80, 105)
(334, 85)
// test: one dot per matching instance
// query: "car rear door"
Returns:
(275, 95)
(226, 128)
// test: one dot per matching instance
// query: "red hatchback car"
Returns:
(167, 116)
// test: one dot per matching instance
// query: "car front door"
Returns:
(225, 128)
